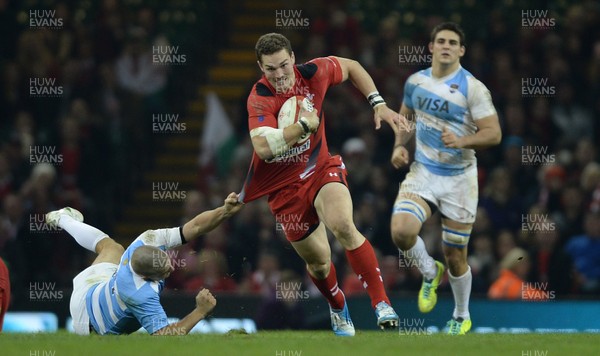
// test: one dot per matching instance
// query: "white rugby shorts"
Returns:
(456, 196)
(89, 277)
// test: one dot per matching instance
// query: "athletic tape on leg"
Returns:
(455, 237)
(407, 206)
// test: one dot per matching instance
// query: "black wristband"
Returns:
(375, 99)
(183, 240)
(304, 126)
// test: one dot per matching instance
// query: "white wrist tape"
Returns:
(274, 139)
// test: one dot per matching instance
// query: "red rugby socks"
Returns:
(329, 288)
(365, 265)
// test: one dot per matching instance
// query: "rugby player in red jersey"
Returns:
(306, 186)
(4, 291)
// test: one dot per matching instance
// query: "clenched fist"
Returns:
(205, 301)
(399, 157)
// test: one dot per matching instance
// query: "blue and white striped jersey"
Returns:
(127, 302)
(455, 102)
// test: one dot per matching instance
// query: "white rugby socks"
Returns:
(418, 256)
(461, 288)
(85, 235)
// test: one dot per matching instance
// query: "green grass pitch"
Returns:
(301, 343)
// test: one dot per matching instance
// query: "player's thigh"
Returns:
(334, 207)
(314, 249)
(108, 251)
(411, 208)
(408, 215)
(458, 197)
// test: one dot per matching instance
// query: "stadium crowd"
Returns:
(539, 189)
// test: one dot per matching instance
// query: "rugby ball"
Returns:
(291, 111)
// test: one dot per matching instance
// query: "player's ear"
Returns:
(462, 51)
(430, 47)
(260, 66)
(292, 58)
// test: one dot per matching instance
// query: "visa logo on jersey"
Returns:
(428, 104)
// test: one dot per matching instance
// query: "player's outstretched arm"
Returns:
(361, 79)
(205, 303)
(210, 219)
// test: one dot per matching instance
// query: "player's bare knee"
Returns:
(404, 242)
(344, 231)
(404, 234)
(319, 270)
(117, 248)
(109, 246)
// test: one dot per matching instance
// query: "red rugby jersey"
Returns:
(312, 81)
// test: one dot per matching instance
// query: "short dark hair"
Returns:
(149, 261)
(450, 26)
(271, 43)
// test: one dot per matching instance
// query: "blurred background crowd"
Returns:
(539, 189)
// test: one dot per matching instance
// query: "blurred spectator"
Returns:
(549, 261)
(387, 39)
(135, 70)
(500, 200)
(552, 180)
(585, 252)
(482, 261)
(339, 30)
(263, 281)
(211, 273)
(585, 153)
(570, 216)
(513, 147)
(283, 310)
(73, 161)
(216, 239)
(482, 224)
(505, 242)
(24, 132)
(541, 127)
(109, 25)
(511, 284)
(194, 204)
(359, 162)
(34, 57)
(12, 96)
(143, 83)
(515, 120)
(6, 179)
(573, 120)
(40, 190)
(590, 182)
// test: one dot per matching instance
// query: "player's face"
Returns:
(279, 69)
(446, 48)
